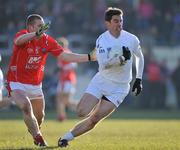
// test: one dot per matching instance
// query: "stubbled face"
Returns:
(37, 24)
(116, 24)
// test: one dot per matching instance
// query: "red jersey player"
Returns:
(66, 85)
(26, 69)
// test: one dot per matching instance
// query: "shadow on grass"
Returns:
(42, 148)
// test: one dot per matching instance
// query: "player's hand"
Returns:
(126, 53)
(43, 29)
(92, 55)
(137, 87)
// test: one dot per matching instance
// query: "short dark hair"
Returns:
(31, 18)
(111, 11)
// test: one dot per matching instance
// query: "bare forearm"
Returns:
(74, 57)
(25, 38)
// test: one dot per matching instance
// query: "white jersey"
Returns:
(108, 50)
(1, 79)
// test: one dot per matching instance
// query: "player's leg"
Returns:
(70, 102)
(72, 105)
(91, 97)
(64, 95)
(103, 109)
(23, 102)
(38, 106)
(61, 107)
(87, 103)
(20, 94)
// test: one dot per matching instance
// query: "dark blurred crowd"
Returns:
(159, 19)
(155, 22)
(158, 85)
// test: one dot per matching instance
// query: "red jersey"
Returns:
(153, 72)
(28, 60)
(67, 72)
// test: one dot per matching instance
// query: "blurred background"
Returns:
(155, 22)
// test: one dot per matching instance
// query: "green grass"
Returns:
(153, 130)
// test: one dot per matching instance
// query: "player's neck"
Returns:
(115, 34)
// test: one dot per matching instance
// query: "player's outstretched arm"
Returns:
(74, 57)
(22, 39)
(137, 86)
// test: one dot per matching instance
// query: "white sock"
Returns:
(68, 136)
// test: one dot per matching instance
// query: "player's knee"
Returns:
(26, 108)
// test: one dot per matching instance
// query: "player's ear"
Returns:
(107, 23)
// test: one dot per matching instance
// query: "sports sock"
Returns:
(68, 136)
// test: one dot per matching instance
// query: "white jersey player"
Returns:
(4, 101)
(1, 81)
(109, 87)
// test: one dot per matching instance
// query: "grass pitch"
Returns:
(161, 132)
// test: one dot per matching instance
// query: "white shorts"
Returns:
(32, 91)
(114, 92)
(66, 87)
(1, 80)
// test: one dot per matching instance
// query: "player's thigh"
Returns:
(103, 109)
(87, 103)
(20, 98)
(38, 106)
